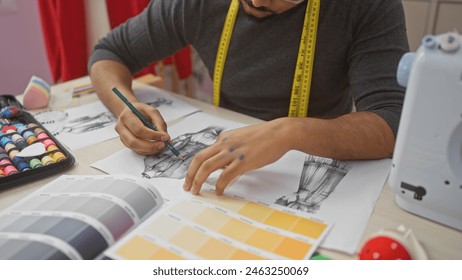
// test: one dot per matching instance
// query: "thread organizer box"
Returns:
(28, 151)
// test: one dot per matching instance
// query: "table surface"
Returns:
(439, 241)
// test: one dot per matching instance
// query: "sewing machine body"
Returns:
(426, 172)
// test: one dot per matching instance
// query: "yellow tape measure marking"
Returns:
(303, 70)
(223, 50)
(301, 87)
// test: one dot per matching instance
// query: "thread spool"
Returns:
(27, 134)
(20, 163)
(10, 147)
(45, 139)
(8, 167)
(18, 140)
(9, 126)
(35, 163)
(35, 128)
(55, 153)
(10, 112)
(3, 154)
(5, 139)
(47, 160)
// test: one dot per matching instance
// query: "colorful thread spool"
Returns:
(35, 128)
(27, 134)
(10, 112)
(35, 163)
(7, 167)
(20, 163)
(55, 153)
(45, 139)
(5, 139)
(3, 154)
(47, 160)
(10, 147)
(18, 140)
(6, 127)
(31, 139)
(4, 122)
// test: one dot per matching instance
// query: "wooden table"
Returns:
(439, 241)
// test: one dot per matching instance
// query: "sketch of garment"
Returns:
(159, 101)
(166, 164)
(320, 177)
(57, 122)
(88, 123)
(81, 124)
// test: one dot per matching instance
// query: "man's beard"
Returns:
(261, 9)
(270, 12)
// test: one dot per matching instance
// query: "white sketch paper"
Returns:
(343, 193)
(93, 123)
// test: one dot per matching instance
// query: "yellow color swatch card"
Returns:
(222, 228)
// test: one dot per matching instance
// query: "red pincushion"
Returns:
(383, 248)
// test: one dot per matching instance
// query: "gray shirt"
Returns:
(358, 48)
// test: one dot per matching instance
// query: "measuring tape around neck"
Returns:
(303, 70)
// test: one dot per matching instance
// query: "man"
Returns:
(358, 46)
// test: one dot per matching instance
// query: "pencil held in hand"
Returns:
(145, 121)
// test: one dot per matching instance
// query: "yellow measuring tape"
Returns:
(303, 70)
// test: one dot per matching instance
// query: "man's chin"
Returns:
(255, 13)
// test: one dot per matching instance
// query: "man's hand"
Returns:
(354, 136)
(136, 136)
(236, 152)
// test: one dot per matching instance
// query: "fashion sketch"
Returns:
(156, 103)
(58, 122)
(320, 177)
(166, 164)
(57, 125)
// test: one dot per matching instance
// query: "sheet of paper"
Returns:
(343, 193)
(92, 123)
(222, 227)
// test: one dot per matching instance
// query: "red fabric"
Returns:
(182, 61)
(64, 31)
(121, 10)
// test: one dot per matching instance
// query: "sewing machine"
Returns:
(426, 172)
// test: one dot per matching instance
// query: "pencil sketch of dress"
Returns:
(88, 123)
(166, 164)
(320, 177)
(76, 125)
(156, 103)
(97, 121)
(58, 122)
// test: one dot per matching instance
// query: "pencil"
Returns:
(82, 90)
(145, 121)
